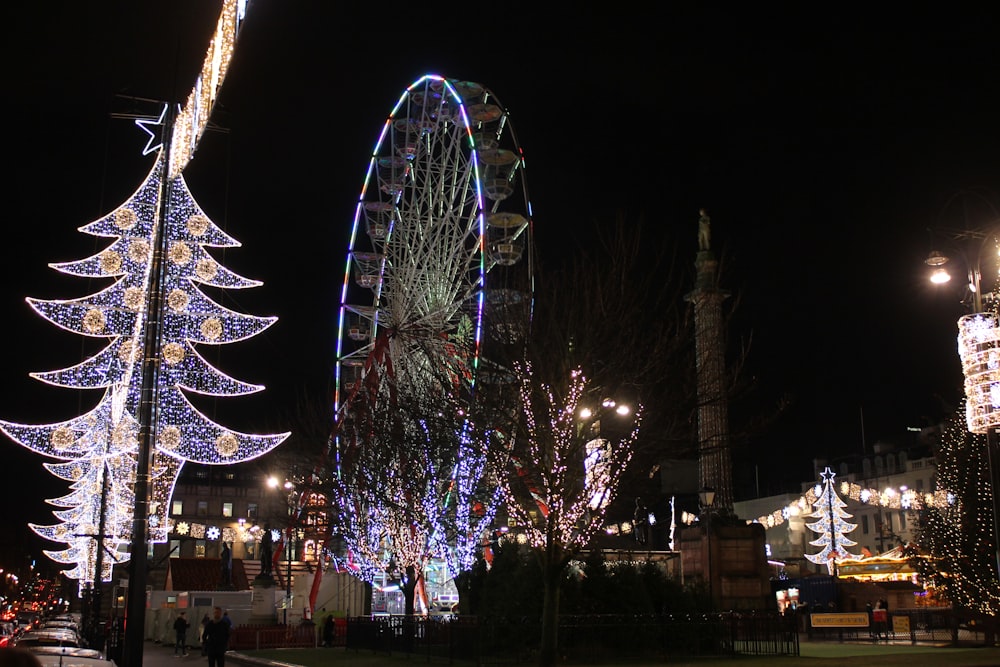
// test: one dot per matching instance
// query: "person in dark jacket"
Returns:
(329, 631)
(201, 635)
(216, 639)
(181, 626)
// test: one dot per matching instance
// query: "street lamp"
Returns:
(289, 538)
(979, 346)
(706, 498)
(597, 449)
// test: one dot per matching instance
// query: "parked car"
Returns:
(65, 651)
(49, 637)
(53, 624)
(56, 656)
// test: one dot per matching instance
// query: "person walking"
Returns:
(201, 637)
(181, 626)
(216, 639)
(329, 631)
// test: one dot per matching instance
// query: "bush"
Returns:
(512, 587)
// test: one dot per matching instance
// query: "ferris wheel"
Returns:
(438, 280)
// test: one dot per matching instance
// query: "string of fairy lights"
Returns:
(898, 498)
(956, 544)
(192, 119)
(901, 498)
(551, 461)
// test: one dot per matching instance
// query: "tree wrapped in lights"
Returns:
(956, 540)
(153, 316)
(561, 481)
(830, 523)
(412, 484)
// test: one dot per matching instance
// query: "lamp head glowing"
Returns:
(940, 276)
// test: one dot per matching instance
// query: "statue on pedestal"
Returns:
(704, 231)
(640, 520)
(266, 552)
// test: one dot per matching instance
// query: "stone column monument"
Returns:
(727, 554)
(715, 464)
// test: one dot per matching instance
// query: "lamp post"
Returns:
(288, 568)
(289, 538)
(706, 498)
(979, 343)
(597, 449)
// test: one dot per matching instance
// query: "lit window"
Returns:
(199, 548)
(177, 507)
(175, 548)
(227, 509)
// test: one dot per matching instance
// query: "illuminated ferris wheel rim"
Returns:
(432, 167)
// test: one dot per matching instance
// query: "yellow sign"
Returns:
(839, 620)
(901, 624)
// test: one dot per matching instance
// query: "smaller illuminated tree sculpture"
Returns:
(830, 523)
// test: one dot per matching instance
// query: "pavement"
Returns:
(854, 653)
(162, 655)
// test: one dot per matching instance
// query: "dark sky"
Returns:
(823, 145)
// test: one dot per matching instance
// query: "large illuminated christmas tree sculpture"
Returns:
(154, 317)
(830, 523)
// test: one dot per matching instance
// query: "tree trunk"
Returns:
(409, 588)
(409, 593)
(463, 582)
(550, 617)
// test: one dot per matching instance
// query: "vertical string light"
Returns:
(954, 538)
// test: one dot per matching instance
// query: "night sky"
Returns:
(827, 149)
